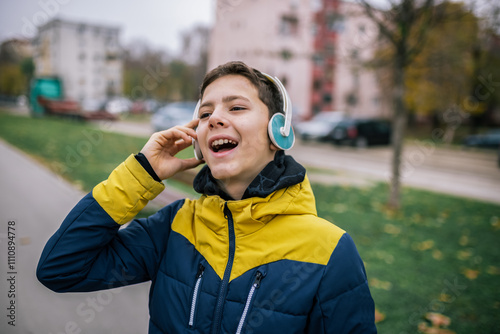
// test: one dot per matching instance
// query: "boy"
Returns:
(249, 256)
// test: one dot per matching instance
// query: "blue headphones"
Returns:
(279, 127)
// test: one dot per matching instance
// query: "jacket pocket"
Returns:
(256, 284)
(196, 293)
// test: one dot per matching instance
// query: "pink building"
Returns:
(272, 36)
(309, 45)
(357, 90)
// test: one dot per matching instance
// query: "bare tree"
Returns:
(404, 26)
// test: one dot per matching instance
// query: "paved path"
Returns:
(37, 201)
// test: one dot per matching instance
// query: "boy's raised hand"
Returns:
(161, 148)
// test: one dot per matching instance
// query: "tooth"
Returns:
(226, 141)
(221, 141)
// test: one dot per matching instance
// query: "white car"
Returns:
(320, 126)
(118, 105)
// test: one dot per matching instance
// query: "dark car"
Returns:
(362, 132)
(489, 139)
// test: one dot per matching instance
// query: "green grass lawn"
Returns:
(438, 254)
(80, 152)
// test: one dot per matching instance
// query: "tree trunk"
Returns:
(399, 126)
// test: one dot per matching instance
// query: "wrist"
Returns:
(141, 158)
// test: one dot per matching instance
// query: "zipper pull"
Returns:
(258, 278)
(201, 269)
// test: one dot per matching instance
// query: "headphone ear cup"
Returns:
(274, 130)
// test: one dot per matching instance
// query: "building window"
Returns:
(355, 54)
(330, 49)
(318, 59)
(286, 54)
(289, 25)
(352, 99)
(81, 29)
(317, 84)
(111, 56)
(335, 22)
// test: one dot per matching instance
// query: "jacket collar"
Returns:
(282, 188)
(280, 173)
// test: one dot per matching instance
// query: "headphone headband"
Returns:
(287, 104)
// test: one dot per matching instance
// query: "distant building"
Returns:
(272, 36)
(357, 89)
(327, 25)
(317, 48)
(85, 56)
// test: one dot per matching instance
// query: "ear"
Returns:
(273, 147)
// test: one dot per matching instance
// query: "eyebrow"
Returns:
(226, 99)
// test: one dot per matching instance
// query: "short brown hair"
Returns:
(268, 92)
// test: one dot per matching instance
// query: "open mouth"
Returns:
(221, 145)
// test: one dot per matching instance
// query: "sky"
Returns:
(159, 22)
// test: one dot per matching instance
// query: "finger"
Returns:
(182, 144)
(177, 133)
(193, 124)
(191, 163)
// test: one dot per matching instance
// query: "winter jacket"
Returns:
(263, 264)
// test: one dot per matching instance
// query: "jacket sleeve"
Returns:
(343, 301)
(91, 252)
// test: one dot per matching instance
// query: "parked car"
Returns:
(319, 127)
(490, 139)
(117, 105)
(175, 113)
(362, 132)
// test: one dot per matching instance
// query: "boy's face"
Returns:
(232, 132)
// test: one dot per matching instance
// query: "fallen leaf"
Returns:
(444, 297)
(464, 254)
(423, 328)
(392, 229)
(492, 270)
(437, 254)
(379, 316)
(438, 319)
(340, 208)
(463, 241)
(423, 246)
(470, 273)
(378, 284)
(495, 222)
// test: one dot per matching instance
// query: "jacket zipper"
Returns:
(255, 286)
(199, 275)
(227, 272)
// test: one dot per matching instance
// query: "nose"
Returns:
(217, 119)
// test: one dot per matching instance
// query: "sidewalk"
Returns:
(35, 201)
